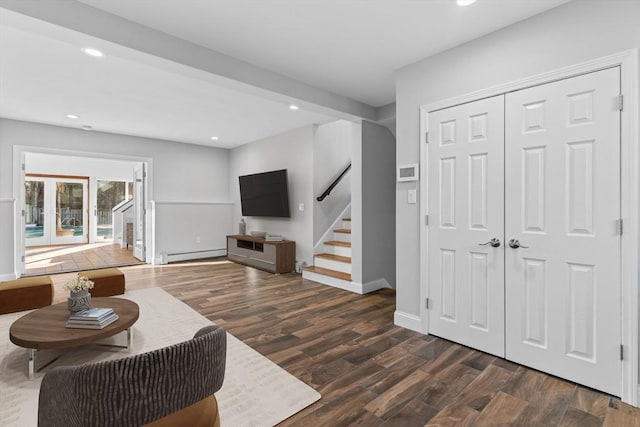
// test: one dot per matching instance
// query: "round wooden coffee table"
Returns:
(45, 328)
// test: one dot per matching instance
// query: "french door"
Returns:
(548, 282)
(55, 211)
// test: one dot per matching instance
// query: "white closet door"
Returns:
(466, 208)
(562, 202)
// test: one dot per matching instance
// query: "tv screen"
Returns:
(265, 194)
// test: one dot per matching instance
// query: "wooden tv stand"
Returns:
(275, 257)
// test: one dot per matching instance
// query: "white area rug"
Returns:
(256, 391)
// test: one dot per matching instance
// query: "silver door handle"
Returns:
(493, 242)
(515, 244)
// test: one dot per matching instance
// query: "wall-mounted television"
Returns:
(265, 194)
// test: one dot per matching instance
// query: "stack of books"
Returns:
(92, 318)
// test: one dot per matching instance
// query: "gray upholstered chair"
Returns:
(156, 388)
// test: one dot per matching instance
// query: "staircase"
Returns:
(333, 266)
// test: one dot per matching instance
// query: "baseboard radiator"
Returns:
(167, 257)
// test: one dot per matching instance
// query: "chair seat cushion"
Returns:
(201, 414)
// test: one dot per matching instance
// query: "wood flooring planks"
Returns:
(368, 371)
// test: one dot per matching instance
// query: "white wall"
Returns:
(378, 204)
(292, 151)
(356, 203)
(178, 172)
(99, 169)
(7, 239)
(575, 32)
(331, 155)
(187, 230)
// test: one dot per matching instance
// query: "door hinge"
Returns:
(22, 166)
(23, 212)
(426, 303)
(22, 258)
(426, 137)
(619, 226)
(620, 102)
(426, 220)
(621, 352)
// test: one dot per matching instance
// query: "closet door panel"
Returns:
(562, 163)
(466, 208)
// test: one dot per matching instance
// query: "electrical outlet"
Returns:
(301, 207)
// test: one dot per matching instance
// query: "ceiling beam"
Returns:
(229, 71)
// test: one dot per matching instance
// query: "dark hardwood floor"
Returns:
(368, 371)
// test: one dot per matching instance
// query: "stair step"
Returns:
(338, 243)
(334, 257)
(342, 230)
(327, 272)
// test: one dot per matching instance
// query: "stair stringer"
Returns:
(318, 246)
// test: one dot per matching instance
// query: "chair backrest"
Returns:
(135, 390)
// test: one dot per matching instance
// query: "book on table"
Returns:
(92, 324)
(93, 313)
(92, 318)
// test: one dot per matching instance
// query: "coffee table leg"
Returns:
(32, 363)
(129, 339)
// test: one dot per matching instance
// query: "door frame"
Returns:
(629, 193)
(19, 154)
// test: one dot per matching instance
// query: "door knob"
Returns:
(493, 242)
(515, 244)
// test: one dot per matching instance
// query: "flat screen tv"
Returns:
(265, 194)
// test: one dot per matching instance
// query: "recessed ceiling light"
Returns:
(87, 127)
(72, 116)
(293, 107)
(93, 52)
(214, 138)
(465, 2)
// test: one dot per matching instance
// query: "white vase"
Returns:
(78, 301)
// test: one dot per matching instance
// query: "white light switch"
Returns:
(411, 196)
(301, 207)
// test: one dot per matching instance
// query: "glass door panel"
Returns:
(70, 212)
(34, 213)
(55, 211)
(109, 194)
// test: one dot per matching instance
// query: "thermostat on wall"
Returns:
(408, 172)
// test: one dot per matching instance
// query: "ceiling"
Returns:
(341, 51)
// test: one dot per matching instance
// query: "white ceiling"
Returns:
(345, 47)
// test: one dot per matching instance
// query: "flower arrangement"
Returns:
(78, 283)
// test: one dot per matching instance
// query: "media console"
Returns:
(275, 257)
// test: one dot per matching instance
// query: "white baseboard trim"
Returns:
(166, 258)
(408, 321)
(375, 285)
(346, 285)
(8, 277)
